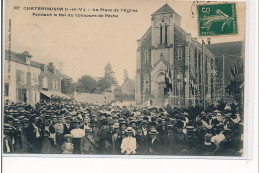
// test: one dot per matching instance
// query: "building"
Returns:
(50, 81)
(167, 50)
(21, 82)
(229, 55)
(30, 81)
(128, 87)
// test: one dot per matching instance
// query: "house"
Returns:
(21, 78)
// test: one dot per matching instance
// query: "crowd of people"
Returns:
(69, 127)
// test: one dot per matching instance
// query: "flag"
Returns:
(168, 79)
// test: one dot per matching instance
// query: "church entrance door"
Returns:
(161, 87)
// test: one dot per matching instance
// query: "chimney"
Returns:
(51, 64)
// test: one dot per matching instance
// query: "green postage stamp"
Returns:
(217, 19)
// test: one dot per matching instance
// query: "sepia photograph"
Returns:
(114, 77)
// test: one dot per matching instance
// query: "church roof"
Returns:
(227, 48)
(164, 9)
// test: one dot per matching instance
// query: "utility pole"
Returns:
(223, 80)
(203, 76)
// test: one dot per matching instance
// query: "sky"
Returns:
(86, 45)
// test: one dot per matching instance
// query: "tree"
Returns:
(103, 84)
(67, 86)
(125, 75)
(234, 88)
(110, 75)
(86, 84)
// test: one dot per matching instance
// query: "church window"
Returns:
(165, 34)
(179, 53)
(161, 28)
(146, 83)
(180, 81)
(146, 58)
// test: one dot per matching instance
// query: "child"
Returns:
(67, 146)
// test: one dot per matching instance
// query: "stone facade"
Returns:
(21, 78)
(26, 79)
(228, 55)
(50, 78)
(167, 45)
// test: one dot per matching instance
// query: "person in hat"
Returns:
(49, 138)
(33, 134)
(180, 139)
(24, 125)
(219, 137)
(17, 130)
(128, 145)
(208, 148)
(67, 147)
(142, 141)
(116, 141)
(88, 144)
(123, 126)
(104, 145)
(154, 142)
(95, 130)
(230, 146)
(192, 140)
(8, 139)
(59, 129)
(77, 134)
(67, 127)
(170, 140)
(162, 129)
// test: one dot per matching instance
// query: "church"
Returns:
(173, 66)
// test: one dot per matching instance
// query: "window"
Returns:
(23, 77)
(44, 82)
(166, 34)
(180, 81)
(55, 84)
(6, 89)
(146, 58)
(146, 82)
(161, 28)
(34, 81)
(45, 68)
(163, 32)
(179, 53)
(27, 61)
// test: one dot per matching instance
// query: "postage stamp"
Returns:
(217, 19)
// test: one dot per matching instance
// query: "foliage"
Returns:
(86, 84)
(103, 84)
(67, 86)
(234, 88)
(125, 75)
(110, 75)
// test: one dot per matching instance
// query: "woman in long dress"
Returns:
(49, 142)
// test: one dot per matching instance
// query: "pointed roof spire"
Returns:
(164, 9)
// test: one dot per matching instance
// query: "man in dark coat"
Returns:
(32, 134)
(230, 146)
(142, 142)
(67, 126)
(208, 148)
(154, 143)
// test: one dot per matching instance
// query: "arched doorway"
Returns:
(160, 85)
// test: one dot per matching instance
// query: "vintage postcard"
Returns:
(87, 77)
